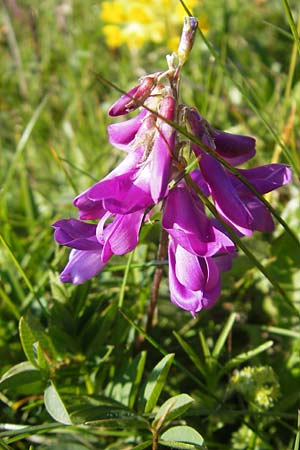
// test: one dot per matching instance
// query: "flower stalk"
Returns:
(152, 177)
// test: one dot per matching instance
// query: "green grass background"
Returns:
(53, 145)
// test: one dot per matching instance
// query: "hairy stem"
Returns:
(155, 440)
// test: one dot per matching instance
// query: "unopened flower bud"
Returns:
(187, 38)
(135, 97)
(199, 127)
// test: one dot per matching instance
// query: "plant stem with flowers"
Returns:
(152, 174)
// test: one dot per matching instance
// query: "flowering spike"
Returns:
(152, 171)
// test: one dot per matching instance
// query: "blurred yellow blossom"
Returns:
(135, 22)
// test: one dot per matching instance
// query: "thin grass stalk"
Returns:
(226, 68)
(292, 23)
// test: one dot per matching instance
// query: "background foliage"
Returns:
(78, 371)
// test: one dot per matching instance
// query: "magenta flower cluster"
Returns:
(112, 211)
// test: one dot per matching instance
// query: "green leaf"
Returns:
(137, 370)
(172, 408)
(190, 352)
(100, 411)
(156, 382)
(23, 378)
(242, 357)
(40, 357)
(124, 387)
(4, 446)
(35, 343)
(55, 406)
(27, 340)
(223, 336)
(182, 437)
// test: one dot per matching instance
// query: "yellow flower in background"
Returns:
(136, 22)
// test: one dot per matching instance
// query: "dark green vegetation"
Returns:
(77, 372)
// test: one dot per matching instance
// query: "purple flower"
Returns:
(93, 245)
(82, 266)
(227, 201)
(236, 204)
(162, 151)
(85, 257)
(141, 179)
(126, 189)
(121, 235)
(264, 179)
(185, 220)
(194, 281)
(76, 234)
(234, 148)
(199, 248)
(122, 134)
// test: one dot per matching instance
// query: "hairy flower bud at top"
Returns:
(187, 38)
(135, 97)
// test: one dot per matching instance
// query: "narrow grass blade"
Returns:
(124, 281)
(158, 347)
(292, 23)
(67, 175)
(22, 144)
(281, 331)
(191, 353)
(297, 440)
(223, 336)
(17, 264)
(21, 271)
(205, 348)
(11, 306)
(243, 357)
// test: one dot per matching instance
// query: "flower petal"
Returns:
(265, 178)
(186, 222)
(194, 282)
(88, 209)
(213, 282)
(122, 134)
(226, 198)
(124, 190)
(188, 271)
(234, 148)
(82, 266)
(162, 151)
(181, 295)
(76, 234)
(120, 236)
